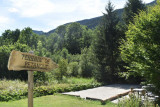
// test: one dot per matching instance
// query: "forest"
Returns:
(118, 50)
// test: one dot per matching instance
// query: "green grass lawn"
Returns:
(57, 100)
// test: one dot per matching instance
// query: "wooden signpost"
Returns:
(27, 61)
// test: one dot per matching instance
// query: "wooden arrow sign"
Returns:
(27, 61)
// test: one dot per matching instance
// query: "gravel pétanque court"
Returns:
(103, 93)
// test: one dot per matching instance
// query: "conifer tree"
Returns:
(106, 45)
(132, 8)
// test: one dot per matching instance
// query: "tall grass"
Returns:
(134, 101)
(74, 80)
(15, 90)
(12, 84)
(18, 84)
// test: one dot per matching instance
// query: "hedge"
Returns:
(6, 95)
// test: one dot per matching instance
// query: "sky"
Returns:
(45, 15)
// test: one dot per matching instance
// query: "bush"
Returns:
(134, 101)
(5, 51)
(62, 69)
(86, 63)
(40, 78)
(7, 95)
(73, 69)
(19, 88)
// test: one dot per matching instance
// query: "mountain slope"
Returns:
(38, 32)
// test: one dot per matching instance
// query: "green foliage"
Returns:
(64, 53)
(73, 69)
(86, 65)
(87, 38)
(73, 38)
(75, 80)
(52, 43)
(61, 31)
(10, 37)
(158, 2)
(5, 51)
(28, 37)
(43, 90)
(134, 101)
(106, 45)
(132, 8)
(20, 91)
(142, 47)
(58, 45)
(6, 95)
(77, 37)
(40, 78)
(41, 51)
(62, 69)
(12, 84)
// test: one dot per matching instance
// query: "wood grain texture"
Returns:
(26, 61)
(30, 88)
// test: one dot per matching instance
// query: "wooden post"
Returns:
(30, 87)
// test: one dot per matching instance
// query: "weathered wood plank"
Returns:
(27, 61)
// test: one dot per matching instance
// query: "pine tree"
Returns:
(132, 8)
(106, 45)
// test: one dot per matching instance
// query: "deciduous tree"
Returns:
(142, 47)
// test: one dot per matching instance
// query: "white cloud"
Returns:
(5, 23)
(4, 20)
(36, 8)
(92, 7)
(13, 10)
(32, 8)
(80, 8)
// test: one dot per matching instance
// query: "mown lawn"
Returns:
(57, 100)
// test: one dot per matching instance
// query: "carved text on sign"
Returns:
(26, 61)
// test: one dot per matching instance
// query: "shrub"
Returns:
(7, 95)
(73, 69)
(40, 77)
(16, 94)
(5, 51)
(134, 101)
(62, 69)
(86, 63)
